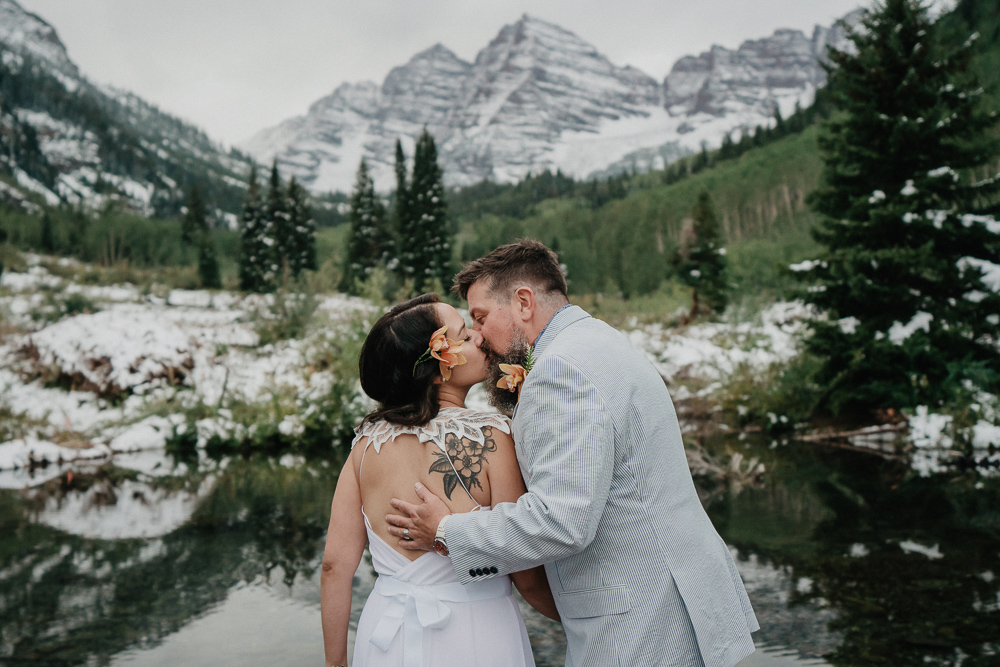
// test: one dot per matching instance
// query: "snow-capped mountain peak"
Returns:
(540, 97)
(23, 31)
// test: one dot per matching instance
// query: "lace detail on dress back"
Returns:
(463, 422)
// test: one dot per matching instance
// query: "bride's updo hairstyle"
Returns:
(396, 341)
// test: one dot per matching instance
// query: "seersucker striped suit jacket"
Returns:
(639, 574)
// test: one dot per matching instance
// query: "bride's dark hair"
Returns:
(405, 396)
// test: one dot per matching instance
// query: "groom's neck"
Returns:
(542, 317)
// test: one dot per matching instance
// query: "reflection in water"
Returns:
(847, 559)
(67, 599)
(899, 567)
(255, 625)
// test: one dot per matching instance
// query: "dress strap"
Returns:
(362, 464)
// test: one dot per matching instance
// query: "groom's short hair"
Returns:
(525, 261)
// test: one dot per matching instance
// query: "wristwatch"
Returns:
(440, 544)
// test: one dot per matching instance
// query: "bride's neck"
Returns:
(452, 397)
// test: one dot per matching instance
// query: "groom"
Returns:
(637, 570)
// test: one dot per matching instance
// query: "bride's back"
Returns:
(392, 470)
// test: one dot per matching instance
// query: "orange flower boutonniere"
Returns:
(514, 377)
(448, 352)
(516, 373)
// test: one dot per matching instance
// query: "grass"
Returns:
(664, 305)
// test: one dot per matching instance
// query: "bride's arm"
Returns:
(345, 544)
(506, 486)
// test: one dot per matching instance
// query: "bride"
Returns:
(419, 362)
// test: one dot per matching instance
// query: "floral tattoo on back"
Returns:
(467, 456)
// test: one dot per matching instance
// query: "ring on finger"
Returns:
(406, 534)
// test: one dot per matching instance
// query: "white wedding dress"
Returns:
(419, 615)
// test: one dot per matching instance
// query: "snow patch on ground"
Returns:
(152, 356)
(715, 350)
(115, 349)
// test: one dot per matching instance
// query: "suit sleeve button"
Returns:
(472, 573)
(494, 570)
(479, 571)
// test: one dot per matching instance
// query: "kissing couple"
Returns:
(583, 500)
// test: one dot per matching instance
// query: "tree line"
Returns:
(412, 241)
(277, 234)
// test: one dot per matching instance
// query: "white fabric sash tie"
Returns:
(413, 608)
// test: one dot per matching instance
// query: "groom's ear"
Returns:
(524, 303)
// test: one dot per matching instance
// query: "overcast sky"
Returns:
(234, 67)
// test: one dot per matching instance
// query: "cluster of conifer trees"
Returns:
(414, 242)
(277, 234)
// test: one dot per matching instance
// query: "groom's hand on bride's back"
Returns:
(421, 521)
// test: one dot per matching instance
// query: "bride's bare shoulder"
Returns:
(498, 437)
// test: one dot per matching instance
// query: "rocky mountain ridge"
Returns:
(70, 141)
(539, 97)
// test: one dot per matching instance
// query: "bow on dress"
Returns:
(414, 608)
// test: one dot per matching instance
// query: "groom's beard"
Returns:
(502, 399)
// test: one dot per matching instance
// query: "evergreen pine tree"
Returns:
(400, 212)
(701, 261)
(302, 245)
(780, 129)
(797, 121)
(425, 242)
(910, 315)
(208, 264)
(701, 161)
(282, 232)
(195, 219)
(728, 148)
(79, 223)
(371, 242)
(48, 241)
(257, 256)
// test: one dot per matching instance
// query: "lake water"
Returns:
(848, 559)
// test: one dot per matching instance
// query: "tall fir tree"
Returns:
(283, 233)
(371, 240)
(48, 244)
(425, 241)
(301, 247)
(400, 212)
(257, 252)
(701, 261)
(909, 316)
(195, 218)
(208, 263)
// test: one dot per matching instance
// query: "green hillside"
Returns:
(625, 245)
